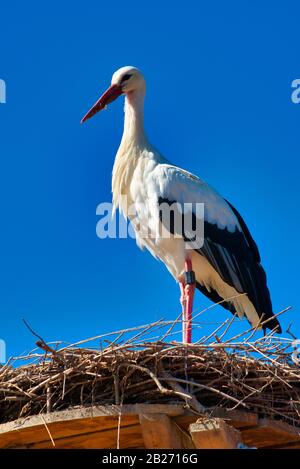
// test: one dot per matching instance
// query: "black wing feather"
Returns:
(235, 256)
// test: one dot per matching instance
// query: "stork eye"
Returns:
(126, 77)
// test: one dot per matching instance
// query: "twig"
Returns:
(162, 389)
(180, 391)
(290, 332)
(48, 431)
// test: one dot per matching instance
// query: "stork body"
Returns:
(227, 264)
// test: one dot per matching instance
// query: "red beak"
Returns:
(112, 93)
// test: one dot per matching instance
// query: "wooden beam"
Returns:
(92, 412)
(214, 433)
(104, 421)
(160, 432)
(270, 432)
(237, 419)
(77, 421)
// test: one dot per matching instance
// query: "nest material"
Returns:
(256, 376)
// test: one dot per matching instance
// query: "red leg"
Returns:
(189, 291)
(183, 306)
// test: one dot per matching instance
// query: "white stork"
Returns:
(227, 264)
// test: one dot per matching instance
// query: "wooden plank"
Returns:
(63, 429)
(290, 445)
(160, 432)
(214, 434)
(91, 412)
(270, 432)
(76, 421)
(130, 437)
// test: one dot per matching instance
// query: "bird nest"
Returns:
(241, 372)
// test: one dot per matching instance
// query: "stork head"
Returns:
(124, 81)
(128, 78)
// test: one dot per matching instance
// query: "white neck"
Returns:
(133, 143)
(134, 133)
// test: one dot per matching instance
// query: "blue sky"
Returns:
(218, 103)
